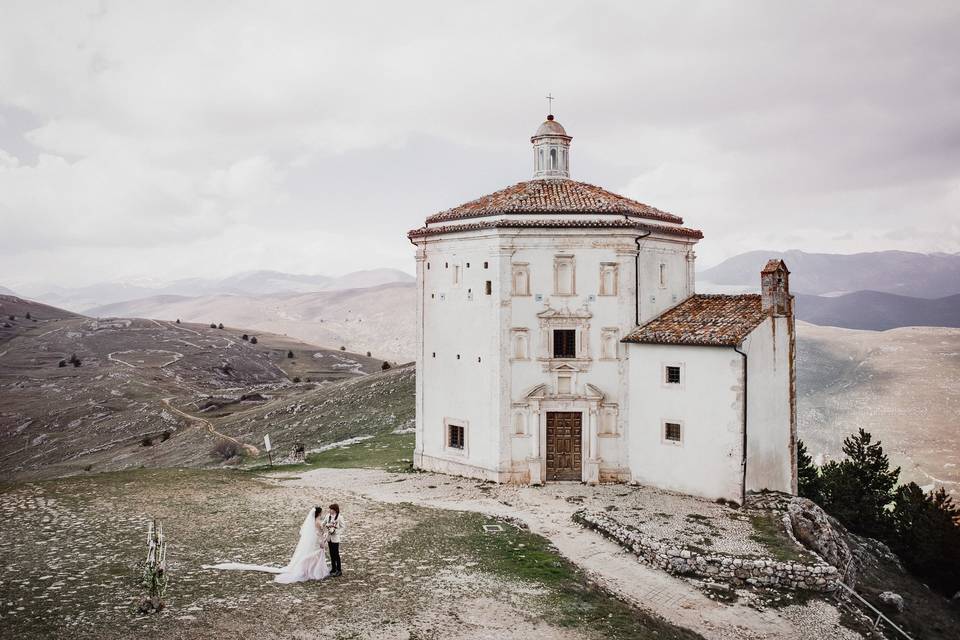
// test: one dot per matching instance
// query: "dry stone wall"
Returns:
(815, 576)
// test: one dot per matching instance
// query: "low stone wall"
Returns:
(817, 576)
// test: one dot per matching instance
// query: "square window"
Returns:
(564, 343)
(456, 436)
(672, 375)
(671, 432)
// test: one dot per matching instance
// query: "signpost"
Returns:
(266, 445)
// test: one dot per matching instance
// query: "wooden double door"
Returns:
(564, 445)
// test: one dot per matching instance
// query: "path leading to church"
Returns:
(547, 511)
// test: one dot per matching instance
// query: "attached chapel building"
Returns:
(560, 338)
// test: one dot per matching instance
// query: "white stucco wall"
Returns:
(707, 404)
(769, 444)
(488, 395)
(458, 319)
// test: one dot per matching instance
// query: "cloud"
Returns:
(143, 139)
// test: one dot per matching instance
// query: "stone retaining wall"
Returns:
(816, 576)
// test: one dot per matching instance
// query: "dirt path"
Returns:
(209, 427)
(547, 511)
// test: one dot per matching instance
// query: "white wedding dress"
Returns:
(309, 560)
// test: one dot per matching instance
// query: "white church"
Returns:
(560, 338)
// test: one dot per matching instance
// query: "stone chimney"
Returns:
(775, 288)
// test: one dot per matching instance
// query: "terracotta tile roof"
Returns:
(773, 265)
(541, 223)
(552, 197)
(708, 320)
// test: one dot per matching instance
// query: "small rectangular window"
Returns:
(456, 436)
(485, 265)
(671, 432)
(673, 375)
(564, 343)
(488, 288)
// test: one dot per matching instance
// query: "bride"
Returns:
(309, 560)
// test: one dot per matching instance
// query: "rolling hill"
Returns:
(902, 385)
(377, 319)
(115, 403)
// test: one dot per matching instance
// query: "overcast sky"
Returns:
(159, 140)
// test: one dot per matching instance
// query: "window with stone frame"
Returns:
(456, 436)
(564, 275)
(521, 279)
(671, 374)
(564, 343)
(521, 343)
(608, 343)
(672, 432)
(609, 276)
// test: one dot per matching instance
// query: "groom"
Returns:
(335, 526)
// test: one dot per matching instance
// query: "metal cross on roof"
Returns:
(550, 100)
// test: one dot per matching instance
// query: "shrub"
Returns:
(244, 337)
(74, 360)
(11, 317)
(296, 378)
(62, 363)
(385, 366)
(165, 435)
(220, 326)
(27, 316)
(178, 320)
(226, 450)
(146, 441)
(342, 348)
(289, 354)
(213, 325)
(368, 354)
(253, 340)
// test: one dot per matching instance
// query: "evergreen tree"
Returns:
(385, 366)
(253, 340)
(244, 337)
(290, 354)
(926, 535)
(809, 484)
(858, 489)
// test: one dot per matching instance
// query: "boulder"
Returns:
(815, 530)
(892, 600)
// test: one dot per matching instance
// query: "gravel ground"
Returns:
(69, 548)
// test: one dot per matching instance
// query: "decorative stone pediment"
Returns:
(565, 315)
(594, 392)
(539, 391)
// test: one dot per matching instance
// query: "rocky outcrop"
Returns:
(815, 530)
(674, 558)
(892, 600)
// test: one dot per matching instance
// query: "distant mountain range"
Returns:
(250, 283)
(921, 275)
(876, 291)
(878, 311)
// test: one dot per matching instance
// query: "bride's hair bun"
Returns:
(317, 511)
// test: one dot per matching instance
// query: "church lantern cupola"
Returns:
(551, 151)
